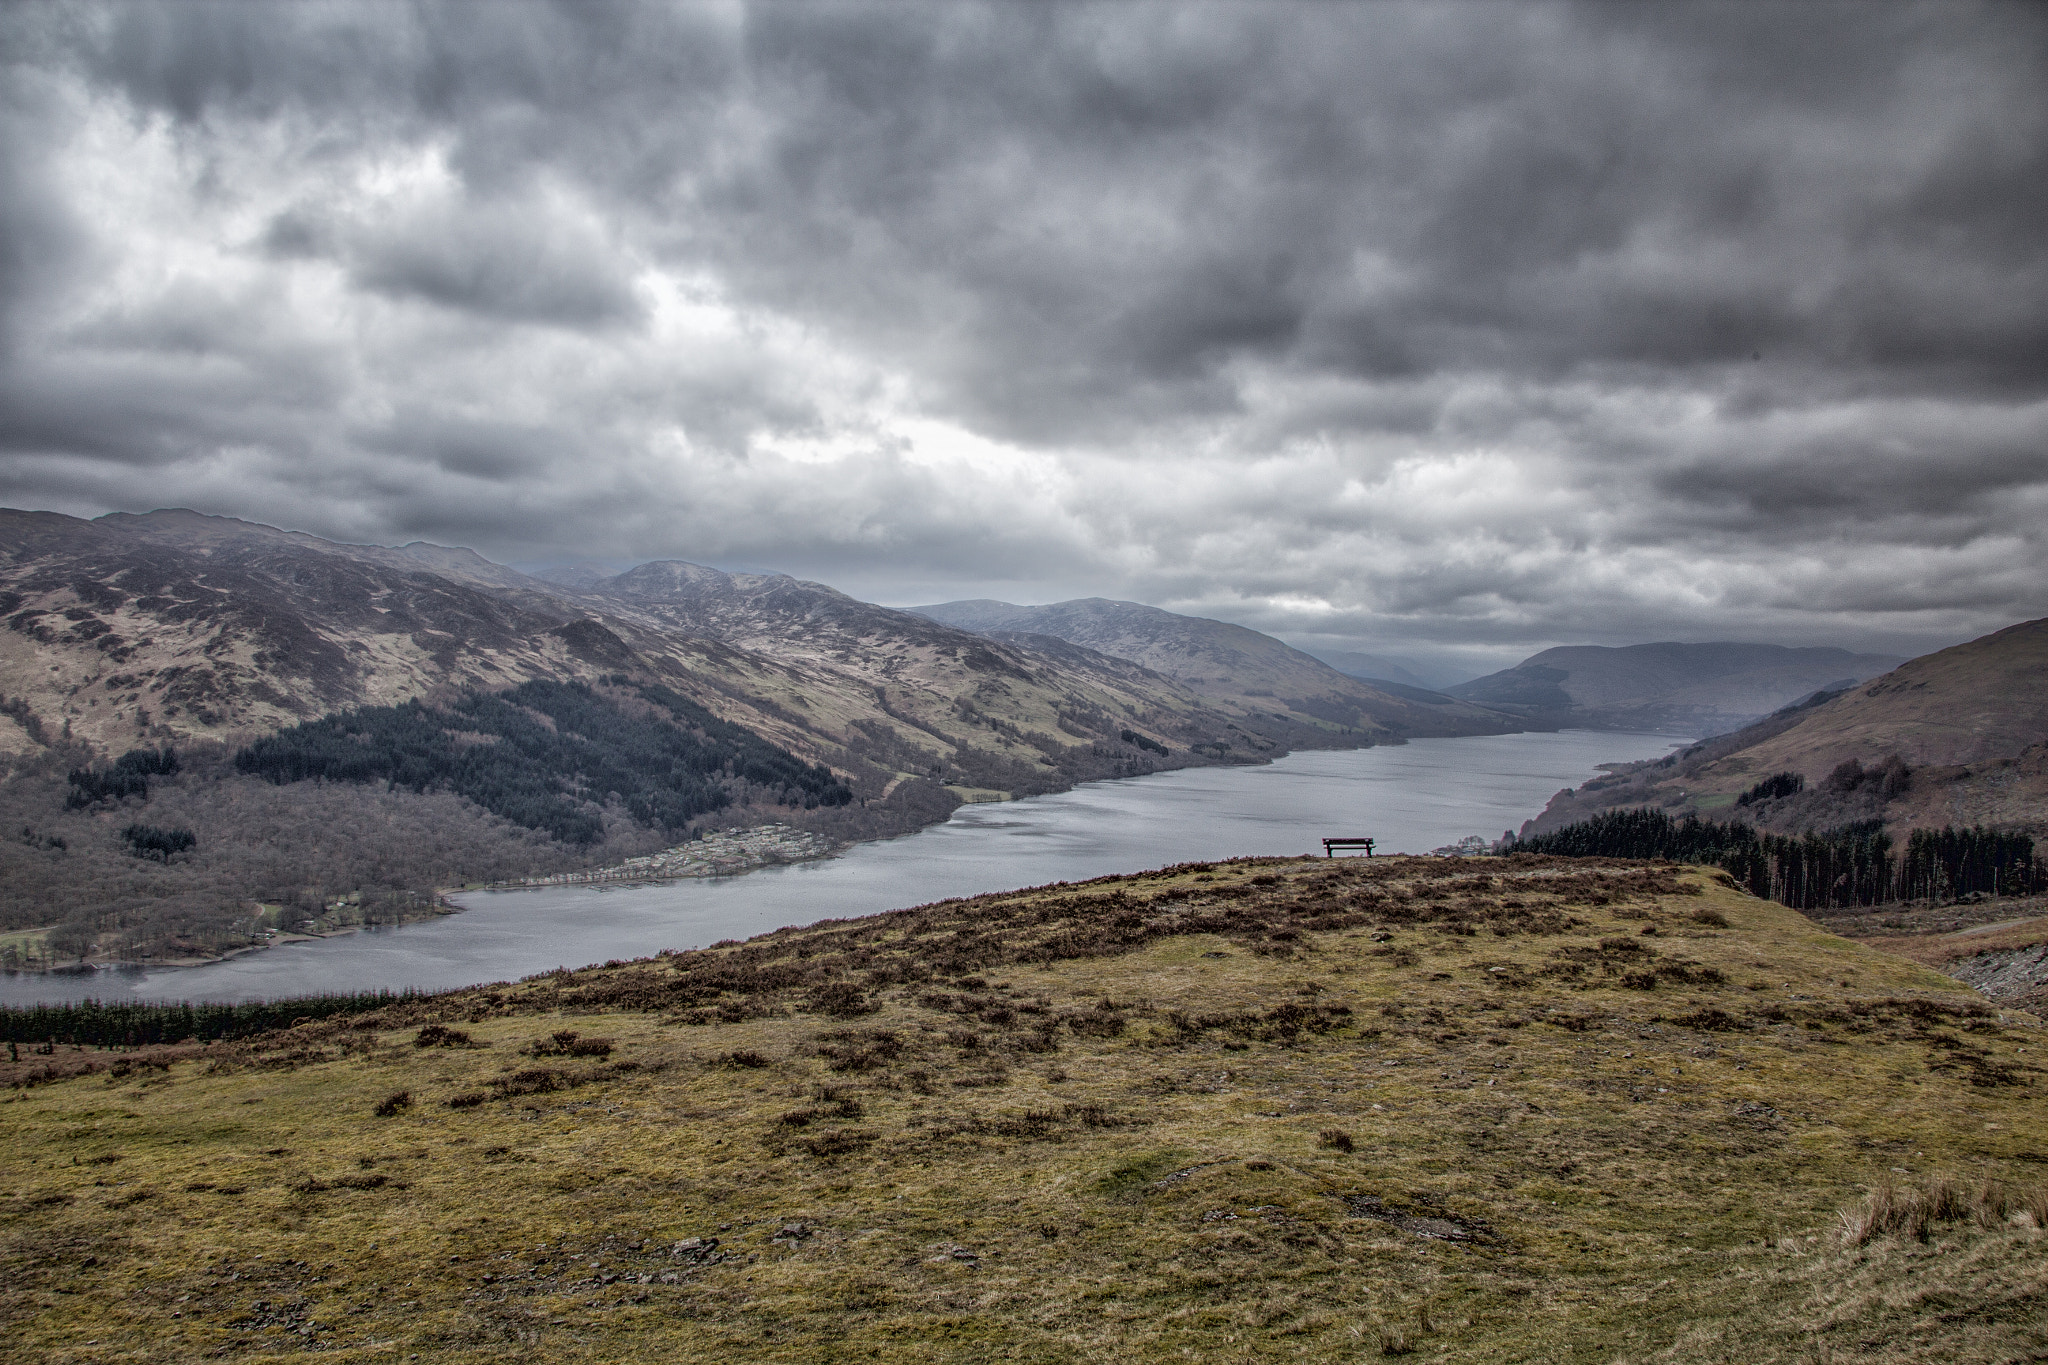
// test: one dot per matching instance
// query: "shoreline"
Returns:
(444, 909)
(730, 852)
(727, 853)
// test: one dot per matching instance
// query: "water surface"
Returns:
(1411, 798)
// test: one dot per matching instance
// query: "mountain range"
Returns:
(1231, 667)
(143, 655)
(174, 626)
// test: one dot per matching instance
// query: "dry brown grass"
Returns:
(1892, 1209)
(1083, 1123)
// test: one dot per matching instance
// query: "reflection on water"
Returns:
(1411, 798)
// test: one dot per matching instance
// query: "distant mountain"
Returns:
(1958, 737)
(1009, 697)
(1702, 689)
(1375, 668)
(1231, 667)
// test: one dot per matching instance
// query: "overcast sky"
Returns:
(1454, 330)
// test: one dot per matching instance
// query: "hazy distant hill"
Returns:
(1374, 668)
(1230, 666)
(1702, 689)
(1969, 725)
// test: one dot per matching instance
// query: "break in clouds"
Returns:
(1454, 330)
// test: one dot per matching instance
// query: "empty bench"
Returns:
(1330, 846)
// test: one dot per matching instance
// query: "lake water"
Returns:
(1411, 798)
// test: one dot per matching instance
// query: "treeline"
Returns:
(128, 776)
(1839, 868)
(149, 841)
(323, 856)
(1145, 742)
(94, 1023)
(549, 756)
(1773, 789)
(1942, 864)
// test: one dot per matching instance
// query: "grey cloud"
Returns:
(472, 447)
(1699, 296)
(296, 235)
(505, 259)
(1575, 221)
(41, 243)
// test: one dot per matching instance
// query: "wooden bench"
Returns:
(1330, 846)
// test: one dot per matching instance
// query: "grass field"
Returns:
(1486, 1110)
(25, 945)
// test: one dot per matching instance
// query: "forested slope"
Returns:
(551, 756)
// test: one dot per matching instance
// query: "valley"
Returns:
(304, 695)
(215, 638)
(1461, 1107)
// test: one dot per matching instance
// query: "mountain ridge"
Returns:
(1230, 666)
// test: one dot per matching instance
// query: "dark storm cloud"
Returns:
(1481, 324)
(40, 242)
(499, 260)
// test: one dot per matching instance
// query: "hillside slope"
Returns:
(1231, 667)
(1262, 1111)
(1702, 689)
(206, 633)
(126, 631)
(1984, 700)
(177, 627)
(1969, 723)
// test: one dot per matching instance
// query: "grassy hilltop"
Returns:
(1528, 1109)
